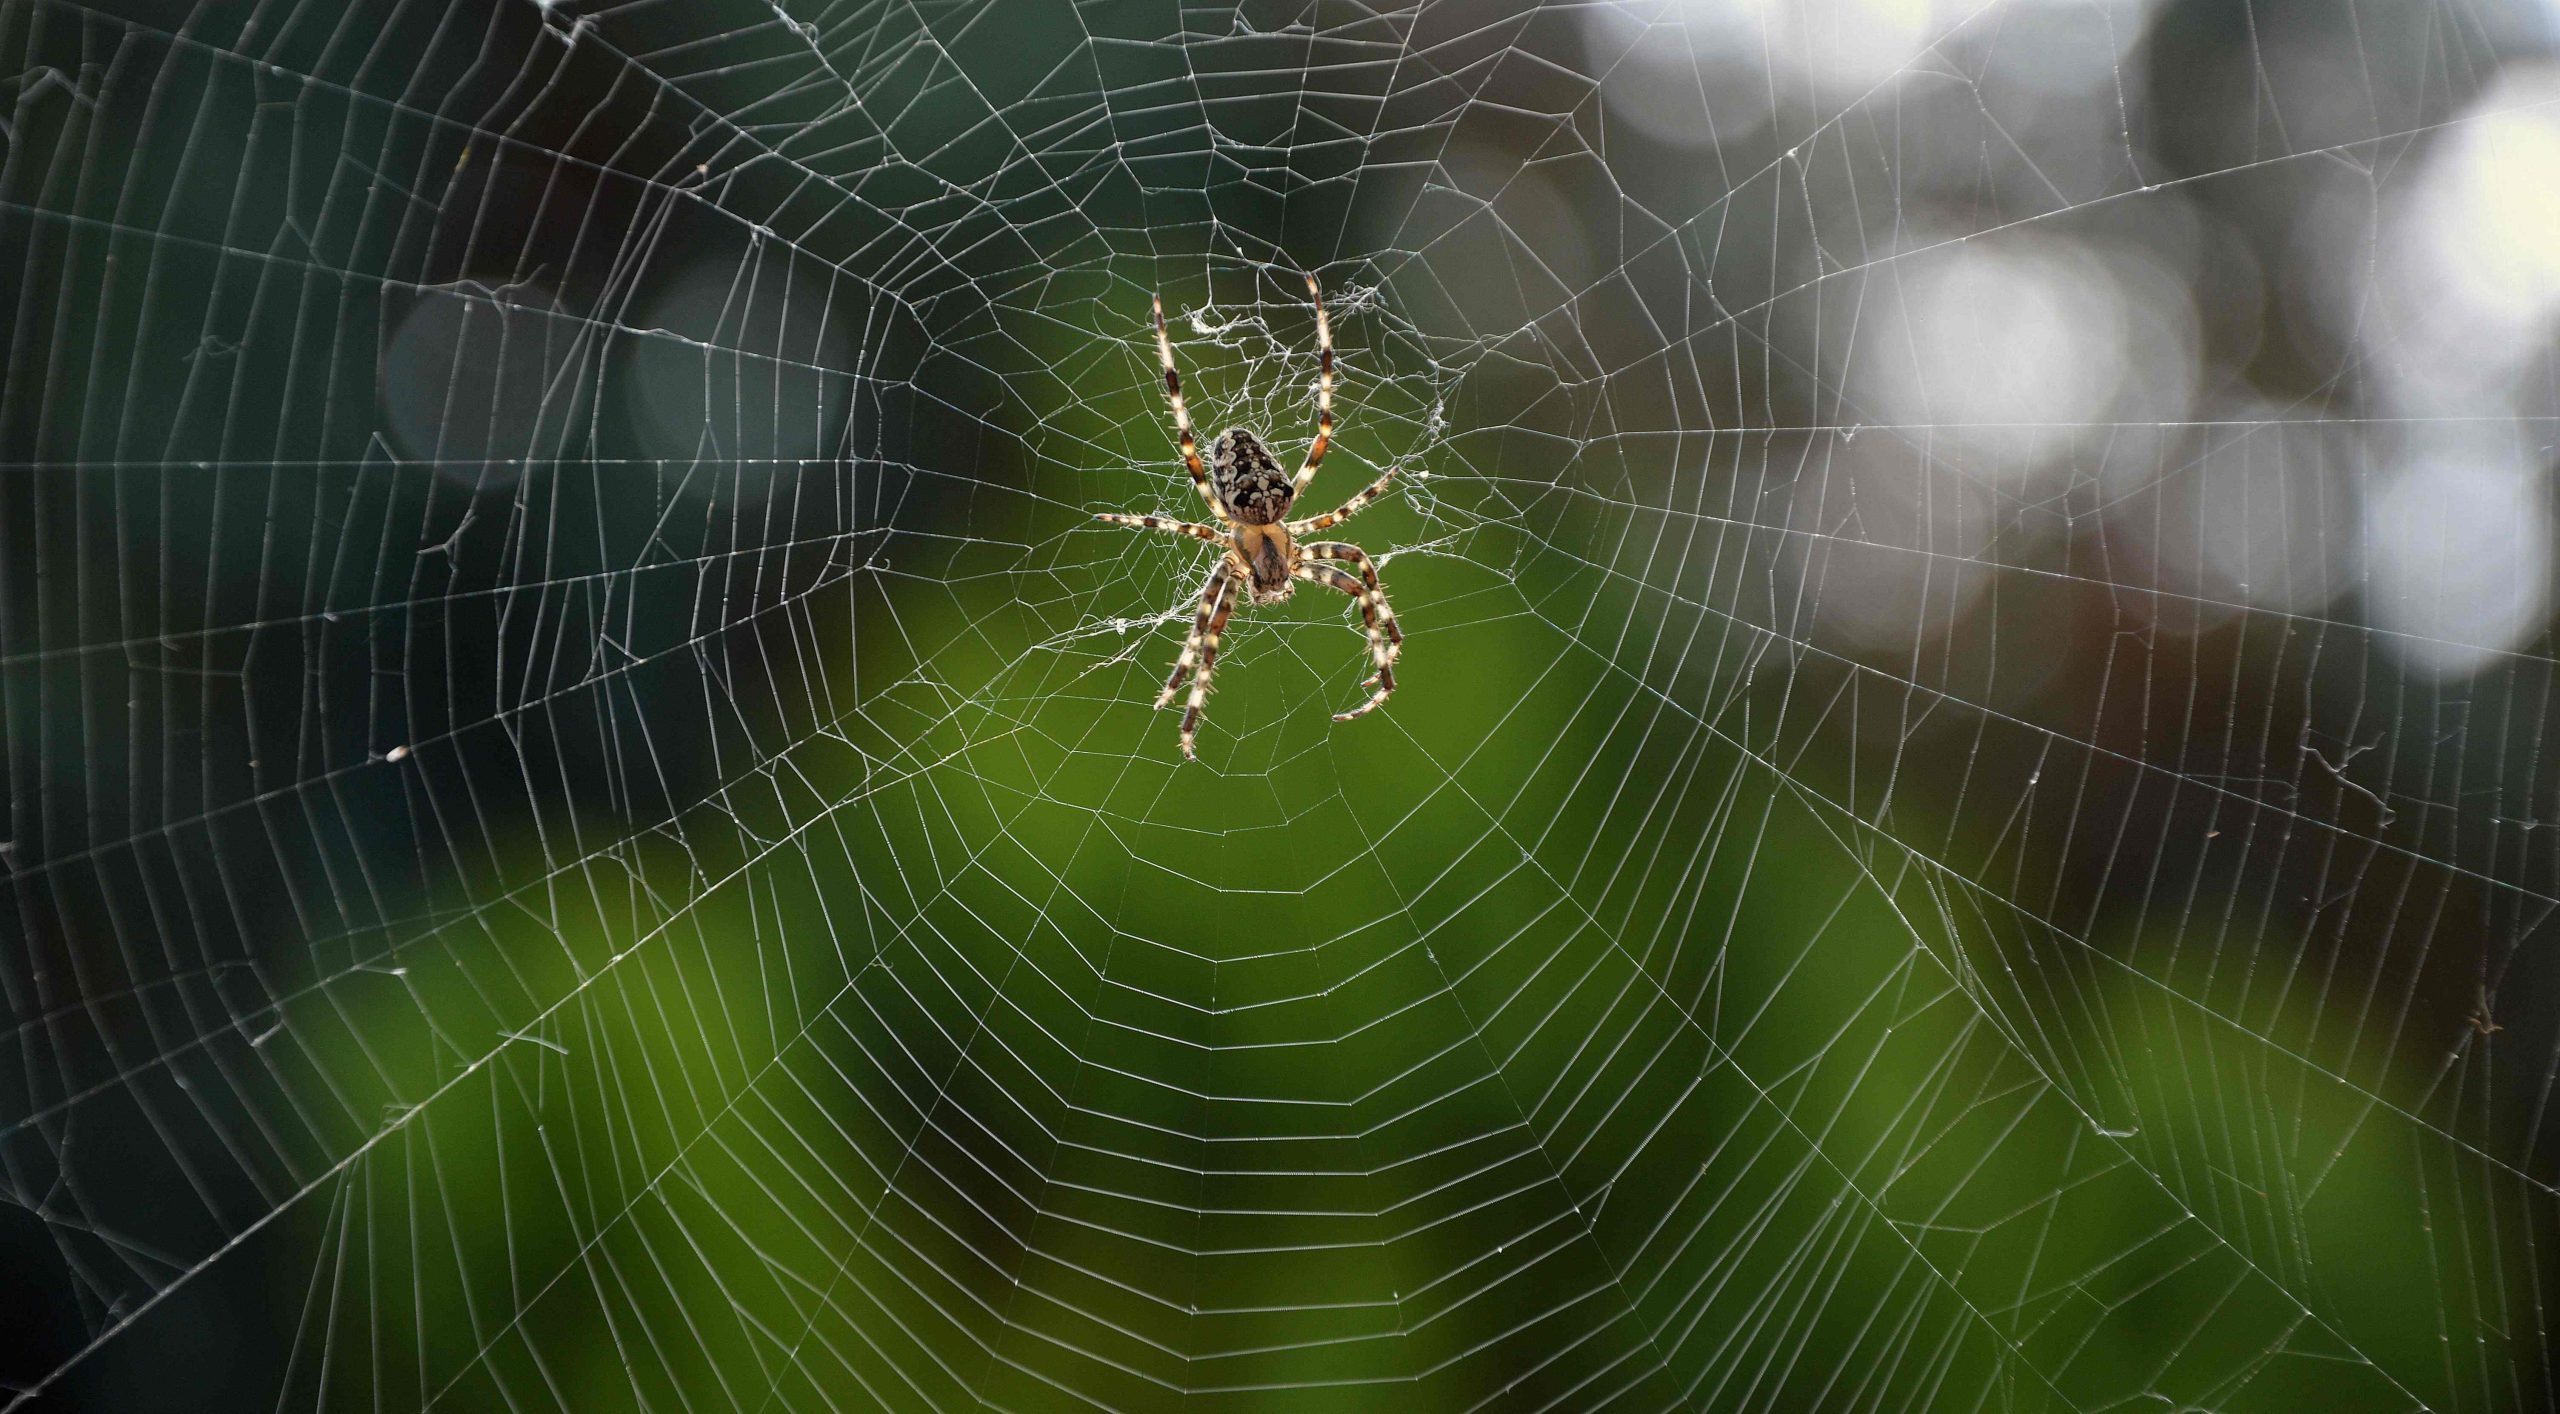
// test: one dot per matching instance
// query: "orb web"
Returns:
(1963, 824)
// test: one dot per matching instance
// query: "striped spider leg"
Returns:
(1182, 420)
(1262, 556)
(1324, 393)
(1385, 639)
(1217, 600)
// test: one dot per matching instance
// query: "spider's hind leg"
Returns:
(1380, 622)
(1217, 600)
(1213, 596)
(1350, 554)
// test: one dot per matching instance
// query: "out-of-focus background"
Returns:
(1967, 823)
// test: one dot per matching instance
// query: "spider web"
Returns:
(1963, 825)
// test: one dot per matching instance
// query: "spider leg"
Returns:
(1374, 613)
(1209, 533)
(1346, 511)
(1204, 635)
(1212, 595)
(1182, 417)
(1353, 555)
(1324, 390)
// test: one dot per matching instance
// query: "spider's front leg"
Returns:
(1182, 419)
(1217, 600)
(1383, 633)
(1324, 392)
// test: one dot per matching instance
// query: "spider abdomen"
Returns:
(1262, 559)
(1256, 490)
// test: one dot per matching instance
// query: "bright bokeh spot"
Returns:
(2458, 544)
(2470, 269)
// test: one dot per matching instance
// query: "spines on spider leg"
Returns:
(1347, 553)
(1346, 510)
(1200, 689)
(1385, 678)
(1210, 615)
(1209, 641)
(1324, 390)
(1182, 415)
(1181, 669)
(1382, 655)
(1373, 611)
(1386, 615)
(1199, 701)
(1171, 527)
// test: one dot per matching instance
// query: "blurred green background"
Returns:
(1962, 827)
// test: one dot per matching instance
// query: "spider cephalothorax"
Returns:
(1251, 498)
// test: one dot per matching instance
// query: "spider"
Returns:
(1250, 498)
